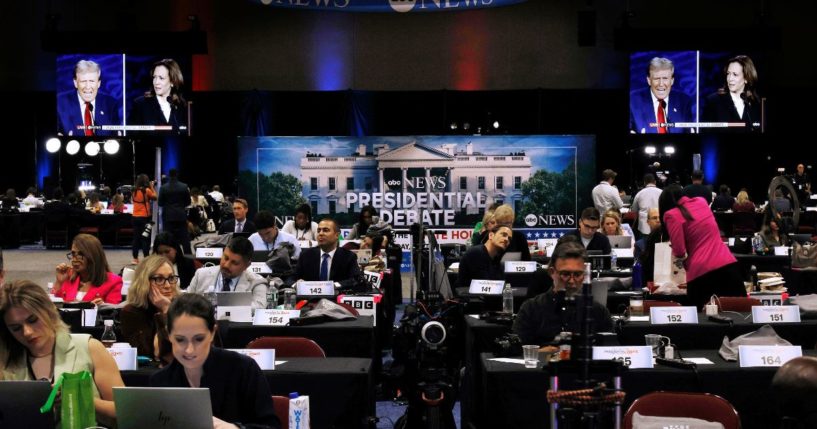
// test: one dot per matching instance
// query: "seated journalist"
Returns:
(482, 262)
(239, 394)
(542, 318)
(328, 261)
(232, 274)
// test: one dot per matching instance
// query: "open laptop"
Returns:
(20, 403)
(620, 241)
(234, 299)
(163, 407)
(260, 255)
(511, 256)
(800, 238)
(598, 261)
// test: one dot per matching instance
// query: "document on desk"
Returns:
(699, 360)
(508, 360)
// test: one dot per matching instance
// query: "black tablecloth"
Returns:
(517, 395)
(340, 390)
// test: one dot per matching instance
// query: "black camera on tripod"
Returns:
(427, 358)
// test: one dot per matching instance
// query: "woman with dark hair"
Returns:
(89, 277)
(738, 100)
(724, 200)
(364, 221)
(302, 227)
(770, 233)
(143, 194)
(163, 104)
(239, 394)
(9, 201)
(166, 245)
(696, 243)
(35, 344)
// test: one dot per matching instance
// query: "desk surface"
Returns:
(518, 395)
(340, 390)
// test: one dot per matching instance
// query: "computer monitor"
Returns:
(162, 407)
(620, 241)
(20, 403)
(260, 255)
(511, 256)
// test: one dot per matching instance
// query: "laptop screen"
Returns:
(162, 407)
(20, 403)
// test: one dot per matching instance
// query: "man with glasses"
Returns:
(232, 275)
(588, 232)
(482, 262)
(542, 318)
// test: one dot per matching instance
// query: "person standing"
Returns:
(143, 194)
(174, 197)
(605, 195)
(644, 200)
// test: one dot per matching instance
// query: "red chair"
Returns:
(649, 303)
(288, 346)
(703, 406)
(281, 405)
(740, 304)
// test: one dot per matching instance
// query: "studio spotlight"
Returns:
(649, 150)
(53, 145)
(669, 150)
(111, 147)
(496, 125)
(72, 147)
(454, 126)
(92, 149)
(466, 126)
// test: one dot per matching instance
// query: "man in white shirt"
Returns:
(31, 200)
(605, 195)
(216, 194)
(269, 236)
(644, 200)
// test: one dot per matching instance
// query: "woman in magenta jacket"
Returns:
(88, 278)
(696, 242)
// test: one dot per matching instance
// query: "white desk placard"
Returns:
(631, 356)
(772, 299)
(315, 288)
(548, 244)
(373, 278)
(89, 317)
(209, 252)
(306, 244)
(673, 315)
(260, 268)
(520, 266)
(274, 317)
(767, 355)
(124, 356)
(781, 250)
(265, 358)
(125, 287)
(106, 211)
(486, 287)
(234, 313)
(365, 305)
(775, 314)
(623, 253)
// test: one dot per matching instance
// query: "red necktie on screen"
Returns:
(88, 120)
(662, 120)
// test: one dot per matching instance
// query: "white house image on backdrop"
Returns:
(413, 168)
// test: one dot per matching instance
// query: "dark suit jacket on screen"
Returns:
(106, 112)
(146, 111)
(228, 226)
(679, 109)
(720, 108)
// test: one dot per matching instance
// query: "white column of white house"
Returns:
(381, 183)
(404, 171)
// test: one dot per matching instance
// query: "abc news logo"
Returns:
(360, 305)
(393, 183)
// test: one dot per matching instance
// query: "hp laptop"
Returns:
(163, 407)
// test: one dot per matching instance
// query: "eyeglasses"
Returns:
(78, 255)
(590, 226)
(566, 275)
(160, 281)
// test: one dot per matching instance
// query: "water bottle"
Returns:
(613, 261)
(507, 299)
(637, 282)
(108, 336)
(272, 296)
(298, 411)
